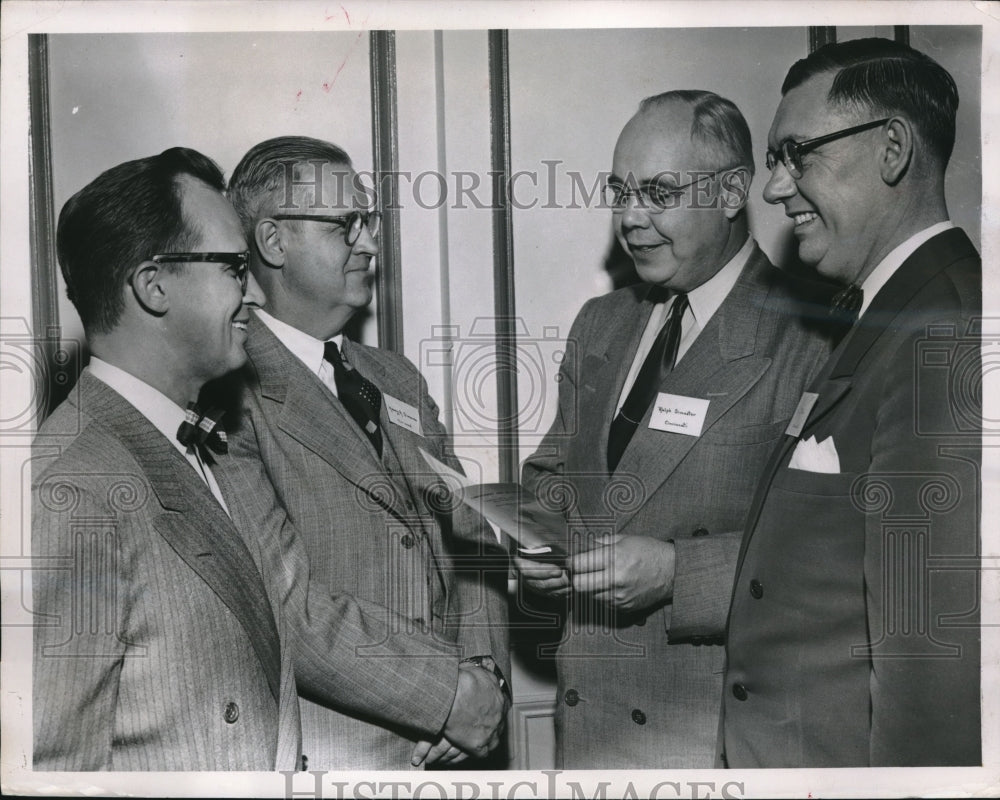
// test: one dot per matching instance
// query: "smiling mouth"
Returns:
(803, 217)
(240, 324)
(643, 249)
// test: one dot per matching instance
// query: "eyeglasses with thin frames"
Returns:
(790, 152)
(238, 262)
(652, 195)
(351, 223)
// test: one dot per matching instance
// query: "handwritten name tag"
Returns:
(798, 420)
(678, 414)
(402, 414)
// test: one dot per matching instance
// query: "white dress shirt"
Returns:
(304, 347)
(887, 266)
(164, 414)
(703, 302)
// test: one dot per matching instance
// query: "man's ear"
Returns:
(734, 191)
(149, 287)
(268, 238)
(896, 150)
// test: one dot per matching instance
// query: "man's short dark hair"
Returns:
(121, 218)
(885, 77)
(260, 183)
(718, 125)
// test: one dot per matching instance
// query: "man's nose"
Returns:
(366, 245)
(635, 214)
(780, 184)
(253, 295)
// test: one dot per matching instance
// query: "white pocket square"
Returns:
(813, 456)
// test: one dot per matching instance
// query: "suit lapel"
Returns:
(882, 316)
(720, 367)
(311, 415)
(603, 370)
(192, 522)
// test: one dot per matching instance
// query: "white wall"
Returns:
(116, 97)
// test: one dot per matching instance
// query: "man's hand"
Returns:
(548, 579)
(627, 573)
(442, 751)
(476, 721)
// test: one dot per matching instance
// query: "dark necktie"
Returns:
(661, 359)
(846, 304)
(203, 431)
(359, 396)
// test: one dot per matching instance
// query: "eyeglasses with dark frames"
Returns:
(351, 223)
(238, 262)
(790, 152)
(652, 195)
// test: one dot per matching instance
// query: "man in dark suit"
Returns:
(853, 636)
(679, 389)
(339, 427)
(158, 641)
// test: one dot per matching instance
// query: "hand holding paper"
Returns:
(628, 573)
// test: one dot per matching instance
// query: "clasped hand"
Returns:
(475, 724)
(627, 573)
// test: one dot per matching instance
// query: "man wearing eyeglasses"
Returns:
(339, 427)
(158, 642)
(853, 636)
(681, 387)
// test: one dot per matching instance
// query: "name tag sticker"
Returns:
(798, 420)
(676, 413)
(402, 414)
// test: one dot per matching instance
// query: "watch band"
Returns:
(487, 663)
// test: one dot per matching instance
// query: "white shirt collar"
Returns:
(306, 348)
(878, 277)
(165, 415)
(705, 300)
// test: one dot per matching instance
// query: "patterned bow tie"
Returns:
(203, 431)
(846, 304)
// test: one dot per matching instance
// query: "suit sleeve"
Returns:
(550, 456)
(346, 651)
(704, 570)
(75, 672)
(479, 603)
(924, 621)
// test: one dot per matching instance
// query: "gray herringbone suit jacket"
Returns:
(158, 628)
(371, 533)
(643, 690)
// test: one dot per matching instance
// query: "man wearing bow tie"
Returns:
(158, 627)
(680, 388)
(853, 636)
(339, 428)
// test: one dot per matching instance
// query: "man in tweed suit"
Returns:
(345, 461)
(663, 483)
(158, 627)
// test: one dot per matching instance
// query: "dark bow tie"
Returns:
(203, 430)
(846, 304)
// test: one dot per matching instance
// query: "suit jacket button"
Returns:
(756, 589)
(407, 541)
(232, 713)
(572, 697)
(739, 691)
(700, 532)
(638, 717)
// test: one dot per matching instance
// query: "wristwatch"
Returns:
(487, 663)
